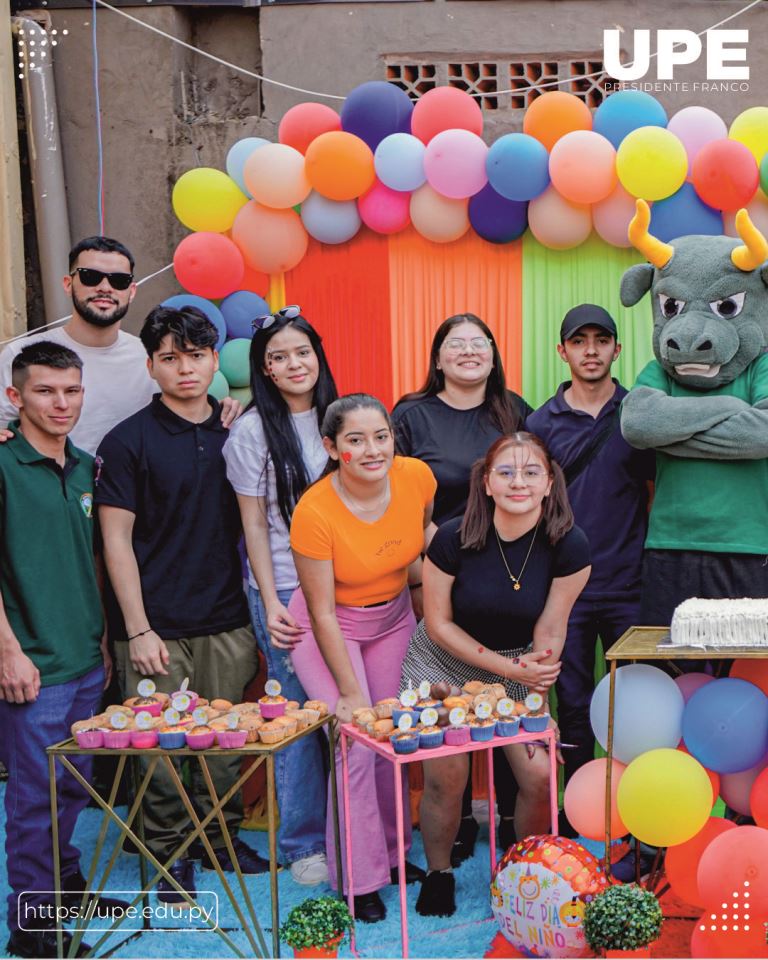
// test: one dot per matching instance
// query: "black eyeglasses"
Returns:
(92, 278)
(266, 321)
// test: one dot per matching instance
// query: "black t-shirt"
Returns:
(485, 603)
(450, 441)
(171, 474)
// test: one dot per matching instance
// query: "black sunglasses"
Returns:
(92, 278)
(286, 313)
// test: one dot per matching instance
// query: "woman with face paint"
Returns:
(273, 453)
(357, 537)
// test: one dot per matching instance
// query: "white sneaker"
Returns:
(311, 870)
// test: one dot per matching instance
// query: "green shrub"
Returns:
(623, 917)
(315, 922)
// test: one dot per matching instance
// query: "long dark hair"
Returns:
(336, 414)
(555, 510)
(501, 407)
(280, 433)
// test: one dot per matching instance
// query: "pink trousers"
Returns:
(377, 640)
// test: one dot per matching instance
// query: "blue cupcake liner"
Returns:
(482, 733)
(431, 740)
(171, 741)
(404, 746)
(398, 712)
(507, 728)
(535, 724)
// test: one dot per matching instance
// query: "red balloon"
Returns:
(302, 123)
(445, 108)
(753, 671)
(682, 861)
(714, 778)
(758, 799)
(725, 174)
(729, 942)
(735, 858)
(208, 265)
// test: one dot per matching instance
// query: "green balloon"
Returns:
(243, 394)
(764, 174)
(234, 364)
(219, 387)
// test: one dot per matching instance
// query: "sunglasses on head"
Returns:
(92, 278)
(287, 313)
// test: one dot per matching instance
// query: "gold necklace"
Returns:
(516, 579)
(358, 506)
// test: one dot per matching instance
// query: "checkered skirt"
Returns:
(426, 660)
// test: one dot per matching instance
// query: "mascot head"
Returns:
(709, 297)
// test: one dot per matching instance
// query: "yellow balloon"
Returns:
(751, 129)
(207, 199)
(651, 163)
(664, 797)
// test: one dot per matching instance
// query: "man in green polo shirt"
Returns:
(53, 660)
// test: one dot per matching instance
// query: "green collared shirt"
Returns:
(47, 571)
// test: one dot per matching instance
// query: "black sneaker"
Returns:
(41, 943)
(248, 860)
(183, 872)
(72, 888)
(437, 895)
(464, 844)
(412, 873)
(369, 907)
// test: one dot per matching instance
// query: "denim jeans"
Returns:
(299, 772)
(27, 729)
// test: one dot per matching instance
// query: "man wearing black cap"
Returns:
(608, 490)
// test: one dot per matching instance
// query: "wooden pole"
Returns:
(13, 308)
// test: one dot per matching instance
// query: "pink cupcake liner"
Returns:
(117, 739)
(193, 698)
(143, 739)
(201, 741)
(90, 739)
(231, 739)
(456, 736)
(271, 710)
(154, 709)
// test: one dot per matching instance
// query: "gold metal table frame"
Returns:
(259, 754)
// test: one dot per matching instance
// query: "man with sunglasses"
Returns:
(116, 384)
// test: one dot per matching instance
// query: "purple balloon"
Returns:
(376, 109)
(495, 218)
(689, 683)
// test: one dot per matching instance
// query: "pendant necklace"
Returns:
(516, 579)
(359, 506)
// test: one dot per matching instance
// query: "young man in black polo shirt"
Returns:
(170, 525)
(608, 489)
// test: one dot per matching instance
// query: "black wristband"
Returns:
(415, 586)
(148, 630)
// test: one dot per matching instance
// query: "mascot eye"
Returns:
(729, 306)
(669, 306)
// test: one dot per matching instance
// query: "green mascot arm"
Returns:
(650, 418)
(742, 436)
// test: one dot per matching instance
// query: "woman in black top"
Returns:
(499, 587)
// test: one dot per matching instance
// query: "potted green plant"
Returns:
(623, 921)
(317, 927)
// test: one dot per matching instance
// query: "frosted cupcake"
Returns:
(536, 720)
(272, 704)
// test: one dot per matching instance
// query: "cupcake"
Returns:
(482, 729)
(320, 705)
(401, 711)
(89, 734)
(144, 739)
(456, 701)
(231, 739)
(507, 726)
(172, 736)
(292, 705)
(431, 737)
(406, 741)
(456, 736)
(383, 729)
(201, 738)
(152, 704)
(194, 700)
(362, 716)
(117, 739)
(272, 707)
(252, 725)
(312, 715)
(383, 708)
(303, 718)
(427, 702)
(272, 732)
(222, 705)
(291, 724)
(242, 708)
(473, 687)
(534, 722)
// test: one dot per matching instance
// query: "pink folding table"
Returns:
(384, 749)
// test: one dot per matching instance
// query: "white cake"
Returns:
(720, 623)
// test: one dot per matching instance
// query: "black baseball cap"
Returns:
(587, 315)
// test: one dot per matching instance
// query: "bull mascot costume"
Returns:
(702, 404)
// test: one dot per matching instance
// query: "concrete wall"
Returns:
(166, 109)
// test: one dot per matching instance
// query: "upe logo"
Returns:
(678, 48)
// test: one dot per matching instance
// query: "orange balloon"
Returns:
(584, 800)
(271, 241)
(735, 858)
(682, 861)
(339, 165)
(554, 114)
(714, 778)
(753, 671)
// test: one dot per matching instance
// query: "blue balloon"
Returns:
(237, 156)
(399, 162)
(330, 221)
(209, 309)
(374, 110)
(625, 111)
(518, 167)
(683, 214)
(725, 725)
(239, 309)
(495, 218)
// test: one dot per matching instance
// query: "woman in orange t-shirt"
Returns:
(357, 536)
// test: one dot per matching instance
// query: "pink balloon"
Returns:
(584, 799)
(556, 222)
(735, 788)
(385, 210)
(582, 166)
(454, 163)
(611, 217)
(695, 127)
(208, 265)
(271, 241)
(689, 683)
(438, 218)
